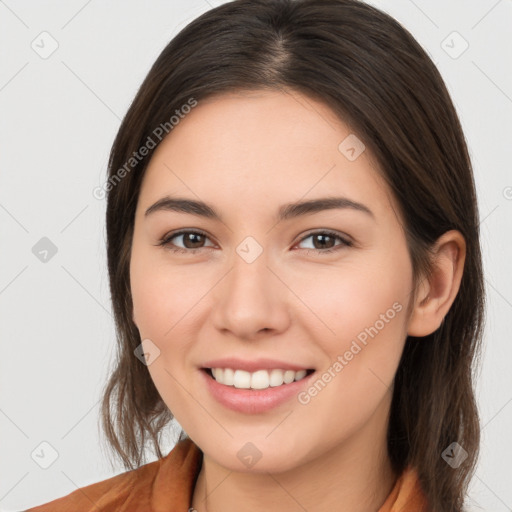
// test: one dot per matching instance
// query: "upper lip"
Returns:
(254, 364)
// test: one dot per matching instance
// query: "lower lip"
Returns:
(253, 401)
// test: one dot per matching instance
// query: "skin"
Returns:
(247, 154)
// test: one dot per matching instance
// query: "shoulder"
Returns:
(407, 494)
(171, 479)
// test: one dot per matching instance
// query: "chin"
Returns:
(244, 456)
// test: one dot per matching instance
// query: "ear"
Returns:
(436, 295)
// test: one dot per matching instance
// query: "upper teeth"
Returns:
(261, 379)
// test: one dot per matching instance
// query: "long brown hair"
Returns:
(375, 76)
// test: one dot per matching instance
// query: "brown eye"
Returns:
(324, 241)
(191, 241)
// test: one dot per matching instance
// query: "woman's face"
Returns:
(252, 287)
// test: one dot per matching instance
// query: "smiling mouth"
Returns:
(260, 379)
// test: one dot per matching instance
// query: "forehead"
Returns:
(244, 148)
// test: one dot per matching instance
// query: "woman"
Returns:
(295, 270)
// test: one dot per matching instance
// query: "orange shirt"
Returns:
(167, 485)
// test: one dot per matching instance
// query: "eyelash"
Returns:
(166, 241)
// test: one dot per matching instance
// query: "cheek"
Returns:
(360, 316)
(164, 296)
(362, 354)
(165, 299)
(343, 302)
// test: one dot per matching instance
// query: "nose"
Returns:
(251, 301)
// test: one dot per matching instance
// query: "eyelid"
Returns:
(165, 240)
(345, 240)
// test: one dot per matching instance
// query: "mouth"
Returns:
(257, 380)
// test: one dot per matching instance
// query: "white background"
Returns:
(58, 119)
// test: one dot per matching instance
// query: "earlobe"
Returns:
(436, 295)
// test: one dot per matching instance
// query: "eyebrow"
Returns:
(285, 212)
